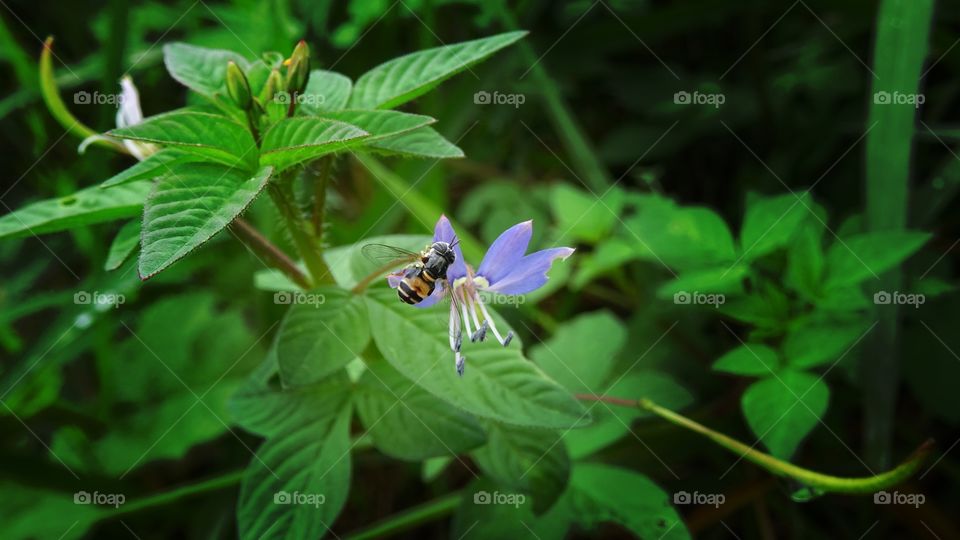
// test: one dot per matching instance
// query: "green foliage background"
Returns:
(728, 266)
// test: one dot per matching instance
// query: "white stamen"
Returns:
(481, 332)
(493, 325)
(455, 337)
(461, 362)
(466, 319)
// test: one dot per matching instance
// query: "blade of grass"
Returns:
(903, 28)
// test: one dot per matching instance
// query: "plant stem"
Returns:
(173, 495)
(372, 276)
(258, 243)
(320, 195)
(410, 518)
(305, 241)
(824, 482)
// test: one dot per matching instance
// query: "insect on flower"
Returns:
(506, 269)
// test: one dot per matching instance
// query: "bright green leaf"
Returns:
(424, 142)
(810, 345)
(749, 359)
(782, 409)
(85, 207)
(154, 166)
(402, 79)
(681, 237)
(581, 352)
(585, 216)
(381, 124)
(209, 135)
(326, 91)
(863, 256)
(123, 245)
(771, 222)
(189, 207)
(302, 138)
(201, 69)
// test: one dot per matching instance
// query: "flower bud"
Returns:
(273, 85)
(237, 86)
(298, 68)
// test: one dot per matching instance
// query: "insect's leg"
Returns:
(481, 333)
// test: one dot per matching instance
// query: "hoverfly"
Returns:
(423, 270)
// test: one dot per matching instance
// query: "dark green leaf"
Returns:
(201, 69)
(406, 421)
(812, 344)
(499, 382)
(123, 245)
(771, 222)
(156, 165)
(323, 330)
(863, 256)
(749, 359)
(302, 138)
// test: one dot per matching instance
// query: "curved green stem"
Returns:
(167, 497)
(306, 243)
(410, 518)
(824, 482)
(51, 96)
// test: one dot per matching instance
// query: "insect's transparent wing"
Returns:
(383, 254)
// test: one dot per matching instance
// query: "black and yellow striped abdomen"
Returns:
(416, 285)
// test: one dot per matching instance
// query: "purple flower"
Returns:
(505, 269)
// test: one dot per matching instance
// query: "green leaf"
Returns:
(424, 142)
(612, 422)
(524, 459)
(348, 265)
(85, 207)
(488, 510)
(407, 422)
(298, 482)
(749, 359)
(604, 493)
(212, 136)
(326, 91)
(323, 330)
(805, 263)
(770, 223)
(867, 255)
(189, 207)
(721, 280)
(781, 410)
(681, 237)
(585, 216)
(499, 382)
(812, 344)
(581, 352)
(402, 79)
(154, 166)
(608, 255)
(28, 512)
(200, 69)
(381, 124)
(303, 138)
(123, 245)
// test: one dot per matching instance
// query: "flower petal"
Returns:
(506, 252)
(530, 273)
(129, 113)
(443, 232)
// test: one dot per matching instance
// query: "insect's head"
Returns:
(445, 250)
